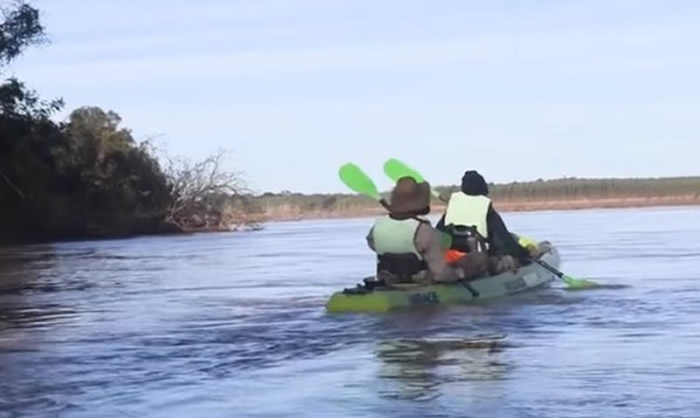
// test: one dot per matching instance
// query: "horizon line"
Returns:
(539, 180)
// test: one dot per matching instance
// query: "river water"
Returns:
(233, 325)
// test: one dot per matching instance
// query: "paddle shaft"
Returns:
(544, 264)
(470, 288)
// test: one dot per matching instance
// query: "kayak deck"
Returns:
(385, 299)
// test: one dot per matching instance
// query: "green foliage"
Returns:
(85, 177)
(20, 28)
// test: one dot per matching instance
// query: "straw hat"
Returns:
(410, 197)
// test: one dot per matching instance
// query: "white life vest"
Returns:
(392, 236)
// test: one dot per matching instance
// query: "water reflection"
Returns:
(23, 305)
(18, 268)
(417, 368)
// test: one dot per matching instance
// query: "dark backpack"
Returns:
(466, 239)
(404, 266)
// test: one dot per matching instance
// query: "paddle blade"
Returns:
(571, 283)
(578, 284)
(395, 169)
(358, 181)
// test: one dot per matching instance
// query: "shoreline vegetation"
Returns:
(281, 215)
(558, 194)
(87, 177)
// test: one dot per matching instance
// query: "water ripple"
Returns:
(233, 325)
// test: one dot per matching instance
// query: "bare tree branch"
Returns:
(203, 192)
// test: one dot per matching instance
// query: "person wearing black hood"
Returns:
(472, 209)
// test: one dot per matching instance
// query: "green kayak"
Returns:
(385, 299)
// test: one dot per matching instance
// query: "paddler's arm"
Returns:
(427, 243)
(502, 238)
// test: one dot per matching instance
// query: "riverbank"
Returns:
(553, 194)
(287, 213)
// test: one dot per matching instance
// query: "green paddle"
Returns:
(395, 169)
(573, 284)
(358, 181)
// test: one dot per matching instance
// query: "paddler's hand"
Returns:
(533, 250)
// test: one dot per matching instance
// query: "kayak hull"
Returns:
(526, 278)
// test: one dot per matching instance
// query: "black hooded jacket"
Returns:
(501, 241)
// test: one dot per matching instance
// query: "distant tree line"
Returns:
(576, 188)
(297, 202)
(566, 189)
(87, 176)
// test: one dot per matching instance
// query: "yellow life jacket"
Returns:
(466, 210)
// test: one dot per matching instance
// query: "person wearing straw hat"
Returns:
(407, 246)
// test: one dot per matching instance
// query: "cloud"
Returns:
(573, 52)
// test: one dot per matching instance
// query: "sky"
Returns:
(518, 90)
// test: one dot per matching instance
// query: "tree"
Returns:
(91, 126)
(20, 28)
(84, 177)
(88, 176)
(26, 134)
(205, 194)
(112, 171)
